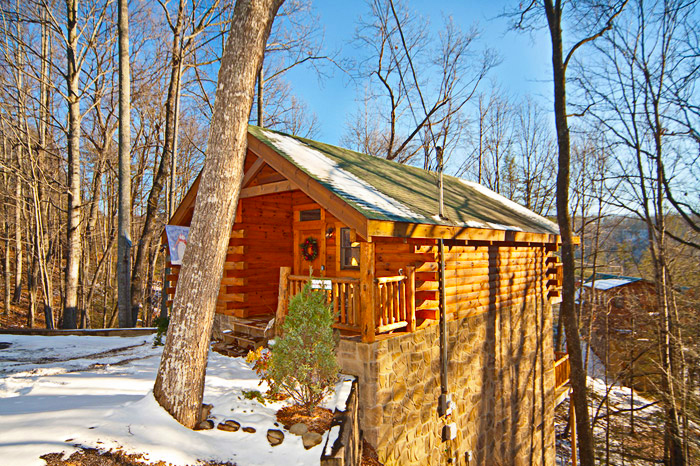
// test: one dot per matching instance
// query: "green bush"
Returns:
(303, 364)
(162, 325)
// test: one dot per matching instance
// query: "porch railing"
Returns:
(369, 307)
(393, 303)
(562, 369)
(343, 295)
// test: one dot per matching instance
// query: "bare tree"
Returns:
(179, 385)
(186, 26)
(597, 19)
(535, 158)
(124, 243)
(296, 40)
(643, 87)
(399, 41)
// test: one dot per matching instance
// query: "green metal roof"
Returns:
(384, 190)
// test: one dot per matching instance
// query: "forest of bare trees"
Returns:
(105, 115)
(84, 198)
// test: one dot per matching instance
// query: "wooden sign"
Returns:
(321, 284)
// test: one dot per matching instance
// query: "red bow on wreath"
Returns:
(309, 249)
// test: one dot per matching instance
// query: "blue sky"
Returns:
(525, 67)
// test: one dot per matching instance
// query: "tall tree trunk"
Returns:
(6, 270)
(32, 279)
(42, 232)
(174, 139)
(124, 243)
(7, 293)
(670, 350)
(19, 202)
(179, 385)
(17, 289)
(148, 317)
(138, 277)
(567, 309)
(73, 243)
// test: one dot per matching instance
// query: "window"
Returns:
(349, 251)
(309, 215)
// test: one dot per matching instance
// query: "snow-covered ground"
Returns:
(648, 419)
(61, 392)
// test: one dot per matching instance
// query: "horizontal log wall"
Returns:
(267, 223)
(260, 243)
(476, 277)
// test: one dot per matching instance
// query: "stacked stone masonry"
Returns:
(501, 378)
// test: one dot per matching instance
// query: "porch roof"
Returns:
(384, 190)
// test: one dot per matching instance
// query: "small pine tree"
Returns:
(303, 363)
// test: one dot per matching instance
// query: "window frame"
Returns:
(345, 250)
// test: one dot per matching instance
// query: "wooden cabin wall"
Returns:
(328, 262)
(260, 243)
(476, 276)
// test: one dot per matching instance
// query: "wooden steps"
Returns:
(248, 332)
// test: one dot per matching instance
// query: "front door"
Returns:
(309, 252)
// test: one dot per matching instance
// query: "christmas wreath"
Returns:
(309, 249)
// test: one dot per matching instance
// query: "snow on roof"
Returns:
(381, 189)
(349, 185)
(609, 283)
(510, 204)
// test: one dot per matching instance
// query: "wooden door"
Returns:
(301, 264)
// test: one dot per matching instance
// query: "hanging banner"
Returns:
(177, 242)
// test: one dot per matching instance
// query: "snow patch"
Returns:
(63, 392)
(338, 400)
(333, 434)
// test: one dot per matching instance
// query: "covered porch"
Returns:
(366, 308)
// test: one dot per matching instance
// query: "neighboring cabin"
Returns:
(370, 229)
(625, 317)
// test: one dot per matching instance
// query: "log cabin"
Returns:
(624, 327)
(367, 230)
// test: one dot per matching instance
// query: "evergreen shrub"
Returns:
(303, 364)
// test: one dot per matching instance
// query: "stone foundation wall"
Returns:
(501, 377)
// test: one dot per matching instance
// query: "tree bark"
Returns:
(567, 310)
(74, 246)
(6, 270)
(179, 385)
(124, 242)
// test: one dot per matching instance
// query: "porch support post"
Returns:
(282, 299)
(367, 320)
(411, 298)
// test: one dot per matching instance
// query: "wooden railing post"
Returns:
(282, 299)
(367, 320)
(411, 298)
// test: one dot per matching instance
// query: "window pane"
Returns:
(349, 252)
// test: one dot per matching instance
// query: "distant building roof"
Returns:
(383, 190)
(604, 281)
